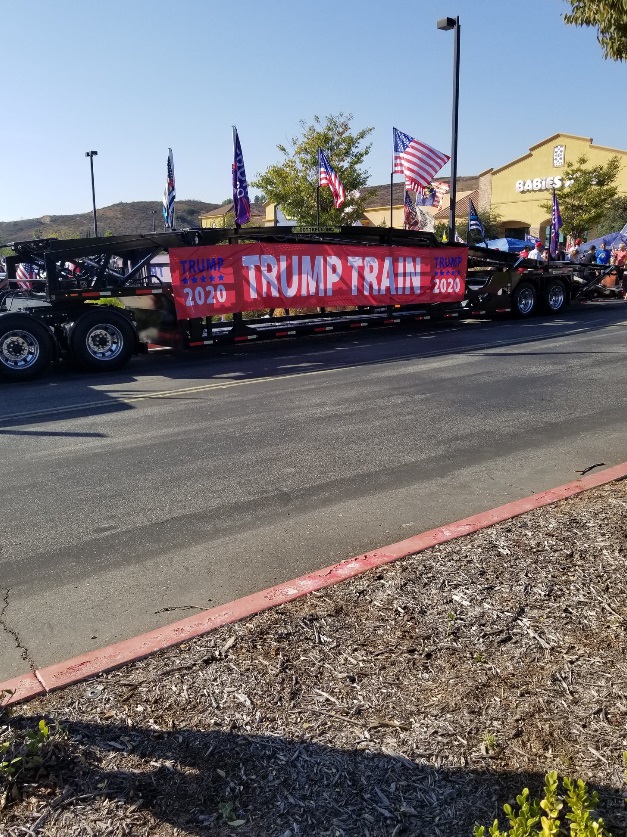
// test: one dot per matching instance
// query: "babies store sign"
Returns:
(541, 184)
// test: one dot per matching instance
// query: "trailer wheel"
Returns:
(524, 299)
(102, 340)
(556, 299)
(26, 347)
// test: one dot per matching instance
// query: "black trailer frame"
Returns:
(79, 272)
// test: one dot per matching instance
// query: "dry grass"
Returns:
(413, 700)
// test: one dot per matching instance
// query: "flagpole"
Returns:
(391, 197)
(318, 202)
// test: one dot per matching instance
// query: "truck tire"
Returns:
(102, 340)
(26, 347)
(556, 297)
(524, 299)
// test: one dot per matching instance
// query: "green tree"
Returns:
(615, 216)
(292, 183)
(609, 18)
(587, 193)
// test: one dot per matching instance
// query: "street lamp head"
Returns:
(91, 154)
(447, 23)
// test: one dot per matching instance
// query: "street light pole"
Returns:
(91, 155)
(447, 23)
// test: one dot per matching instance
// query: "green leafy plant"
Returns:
(543, 817)
(23, 754)
(489, 741)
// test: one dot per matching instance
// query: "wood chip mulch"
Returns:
(412, 701)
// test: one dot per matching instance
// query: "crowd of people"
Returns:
(603, 256)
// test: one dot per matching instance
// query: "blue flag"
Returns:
(474, 222)
(556, 224)
(241, 204)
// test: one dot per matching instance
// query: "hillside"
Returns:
(118, 219)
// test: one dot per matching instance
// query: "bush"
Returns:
(544, 817)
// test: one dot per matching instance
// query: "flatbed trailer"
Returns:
(97, 301)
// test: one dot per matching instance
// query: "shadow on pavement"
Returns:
(64, 394)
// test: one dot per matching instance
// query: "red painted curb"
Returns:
(20, 688)
(116, 655)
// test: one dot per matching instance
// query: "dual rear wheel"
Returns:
(98, 340)
(526, 300)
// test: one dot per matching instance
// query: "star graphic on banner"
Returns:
(184, 282)
(194, 280)
(212, 278)
(220, 277)
(203, 279)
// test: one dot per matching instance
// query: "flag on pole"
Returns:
(328, 177)
(241, 203)
(411, 216)
(426, 196)
(24, 275)
(474, 222)
(169, 193)
(432, 194)
(458, 238)
(556, 225)
(416, 160)
(441, 189)
(426, 221)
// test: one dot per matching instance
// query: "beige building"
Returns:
(519, 188)
(222, 216)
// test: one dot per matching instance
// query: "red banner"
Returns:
(210, 281)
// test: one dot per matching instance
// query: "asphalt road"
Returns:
(189, 480)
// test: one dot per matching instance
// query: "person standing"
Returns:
(620, 260)
(591, 255)
(536, 253)
(603, 255)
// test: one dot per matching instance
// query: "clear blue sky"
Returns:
(129, 78)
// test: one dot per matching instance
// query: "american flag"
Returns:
(411, 217)
(169, 193)
(241, 202)
(415, 160)
(441, 189)
(556, 224)
(328, 177)
(24, 275)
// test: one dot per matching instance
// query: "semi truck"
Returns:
(98, 301)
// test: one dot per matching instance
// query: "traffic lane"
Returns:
(107, 606)
(99, 480)
(68, 391)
